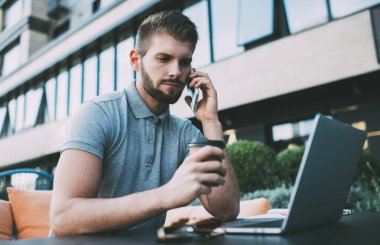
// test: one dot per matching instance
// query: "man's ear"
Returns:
(134, 57)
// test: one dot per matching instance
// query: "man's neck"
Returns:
(154, 106)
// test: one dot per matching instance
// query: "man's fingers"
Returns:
(211, 167)
(205, 153)
(211, 179)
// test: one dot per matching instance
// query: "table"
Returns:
(358, 229)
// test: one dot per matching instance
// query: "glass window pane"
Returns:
(105, 3)
(282, 132)
(198, 13)
(50, 97)
(62, 95)
(33, 102)
(3, 113)
(107, 70)
(224, 21)
(11, 60)
(90, 77)
(124, 68)
(75, 87)
(255, 20)
(20, 113)
(305, 14)
(12, 14)
(340, 8)
(306, 127)
(12, 114)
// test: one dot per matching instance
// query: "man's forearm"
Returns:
(223, 202)
(83, 215)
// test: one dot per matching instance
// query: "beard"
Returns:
(159, 95)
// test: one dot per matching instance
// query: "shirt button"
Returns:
(150, 141)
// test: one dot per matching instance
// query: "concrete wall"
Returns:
(337, 50)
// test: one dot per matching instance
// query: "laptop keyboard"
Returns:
(266, 222)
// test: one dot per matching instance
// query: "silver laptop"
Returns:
(323, 181)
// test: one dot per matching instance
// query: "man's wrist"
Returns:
(213, 130)
(165, 203)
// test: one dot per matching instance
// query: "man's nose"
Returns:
(174, 71)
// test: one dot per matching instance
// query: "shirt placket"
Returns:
(151, 138)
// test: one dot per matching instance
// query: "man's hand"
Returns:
(195, 176)
(208, 105)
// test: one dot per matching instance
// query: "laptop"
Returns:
(323, 181)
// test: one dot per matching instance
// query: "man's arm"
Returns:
(75, 208)
(223, 201)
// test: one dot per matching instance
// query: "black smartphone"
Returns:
(192, 95)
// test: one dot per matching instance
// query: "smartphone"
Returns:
(192, 95)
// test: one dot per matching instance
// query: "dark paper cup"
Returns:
(196, 145)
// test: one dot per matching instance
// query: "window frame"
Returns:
(5, 51)
(5, 7)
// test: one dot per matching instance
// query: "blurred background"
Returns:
(275, 64)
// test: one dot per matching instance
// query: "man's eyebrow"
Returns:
(171, 56)
(163, 54)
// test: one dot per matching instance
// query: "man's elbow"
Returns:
(60, 225)
(57, 227)
(230, 214)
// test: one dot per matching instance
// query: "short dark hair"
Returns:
(168, 22)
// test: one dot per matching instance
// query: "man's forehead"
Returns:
(167, 45)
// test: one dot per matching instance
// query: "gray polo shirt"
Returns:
(140, 151)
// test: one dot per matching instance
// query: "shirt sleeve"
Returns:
(88, 130)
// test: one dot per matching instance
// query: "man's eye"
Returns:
(163, 58)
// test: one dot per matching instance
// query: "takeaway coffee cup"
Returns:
(199, 143)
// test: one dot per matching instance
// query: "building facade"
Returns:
(275, 64)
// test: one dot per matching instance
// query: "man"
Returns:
(125, 161)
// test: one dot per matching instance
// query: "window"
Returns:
(124, 69)
(12, 14)
(90, 78)
(3, 114)
(11, 59)
(292, 130)
(62, 95)
(20, 113)
(106, 3)
(283, 131)
(305, 127)
(225, 29)
(33, 103)
(75, 87)
(107, 70)
(198, 13)
(12, 115)
(50, 90)
(305, 14)
(99, 4)
(255, 20)
(341, 8)
(60, 29)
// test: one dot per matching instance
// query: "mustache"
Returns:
(175, 81)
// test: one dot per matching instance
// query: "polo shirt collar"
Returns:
(138, 106)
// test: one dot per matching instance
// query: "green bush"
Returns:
(278, 197)
(368, 168)
(365, 192)
(364, 200)
(288, 162)
(253, 163)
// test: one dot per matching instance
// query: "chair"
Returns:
(26, 179)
